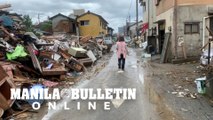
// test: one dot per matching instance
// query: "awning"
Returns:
(144, 27)
(160, 21)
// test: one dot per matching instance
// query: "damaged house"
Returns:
(91, 24)
(179, 18)
(63, 24)
(181, 27)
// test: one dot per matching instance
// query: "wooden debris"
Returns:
(5, 6)
(164, 53)
(13, 115)
(6, 32)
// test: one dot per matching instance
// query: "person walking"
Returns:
(121, 52)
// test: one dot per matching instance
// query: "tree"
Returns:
(46, 26)
(27, 21)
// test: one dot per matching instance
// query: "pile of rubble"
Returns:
(27, 61)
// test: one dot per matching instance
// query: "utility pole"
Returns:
(175, 28)
(137, 19)
(129, 25)
(129, 18)
(148, 10)
(38, 18)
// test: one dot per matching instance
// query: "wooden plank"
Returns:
(15, 114)
(36, 63)
(1, 112)
(189, 59)
(184, 51)
(3, 104)
(3, 74)
(163, 58)
(54, 71)
(6, 32)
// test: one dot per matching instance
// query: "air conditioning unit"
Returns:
(210, 9)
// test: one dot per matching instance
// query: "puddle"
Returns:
(141, 78)
(134, 66)
(60, 105)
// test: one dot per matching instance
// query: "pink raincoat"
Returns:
(121, 49)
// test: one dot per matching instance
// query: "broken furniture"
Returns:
(59, 70)
(77, 52)
(5, 85)
(86, 61)
(75, 65)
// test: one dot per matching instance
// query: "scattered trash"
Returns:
(18, 52)
(181, 94)
(187, 90)
(27, 59)
(194, 96)
(49, 83)
(179, 87)
(174, 93)
(184, 110)
(35, 87)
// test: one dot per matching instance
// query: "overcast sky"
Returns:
(114, 11)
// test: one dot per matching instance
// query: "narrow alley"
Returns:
(109, 77)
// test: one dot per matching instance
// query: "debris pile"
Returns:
(28, 61)
(181, 92)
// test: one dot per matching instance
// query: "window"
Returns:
(144, 5)
(103, 26)
(191, 28)
(85, 22)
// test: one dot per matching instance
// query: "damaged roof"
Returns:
(100, 17)
(59, 14)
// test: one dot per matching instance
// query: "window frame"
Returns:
(84, 21)
(191, 24)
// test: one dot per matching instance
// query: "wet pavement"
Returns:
(109, 77)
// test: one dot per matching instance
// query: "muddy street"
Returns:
(109, 77)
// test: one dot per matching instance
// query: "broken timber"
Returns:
(164, 54)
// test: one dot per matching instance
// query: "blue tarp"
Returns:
(6, 21)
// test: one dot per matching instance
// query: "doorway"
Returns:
(161, 37)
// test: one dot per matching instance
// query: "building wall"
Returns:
(152, 15)
(168, 16)
(193, 42)
(63, 26)
(94, 28)
(194, 2)
(56, 20)
(187, 11)
(149, 15)
(78, 12)
(164, 5)
(145, 12)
